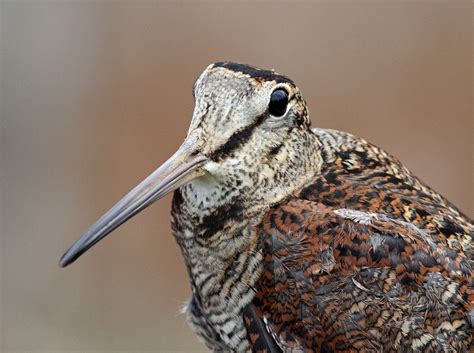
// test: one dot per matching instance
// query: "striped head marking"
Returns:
(236, 103)
(249, 140)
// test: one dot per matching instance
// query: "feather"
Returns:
(257, 333)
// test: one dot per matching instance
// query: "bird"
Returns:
(301, 239)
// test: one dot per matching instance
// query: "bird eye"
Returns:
(278, 102)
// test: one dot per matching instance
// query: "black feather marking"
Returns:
(238, 139)
(255, 326)
(254, 72)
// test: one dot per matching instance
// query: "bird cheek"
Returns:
(212, 168)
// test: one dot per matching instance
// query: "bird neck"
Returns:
(215, 220)
(215, 211)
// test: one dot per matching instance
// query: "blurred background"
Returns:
(95, 95)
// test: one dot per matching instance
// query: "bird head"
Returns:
(249, 138)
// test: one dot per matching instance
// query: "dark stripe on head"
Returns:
(238, 139)
(275, 150)
(254, 72)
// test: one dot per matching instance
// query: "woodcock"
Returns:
(300, 239)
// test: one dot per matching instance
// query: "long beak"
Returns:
(181, 168)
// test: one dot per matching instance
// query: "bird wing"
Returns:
(258, 333)
(337, 279)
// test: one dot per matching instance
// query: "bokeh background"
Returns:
(95, 95)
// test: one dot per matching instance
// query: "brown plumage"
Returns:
(366, 258)
(302, 240)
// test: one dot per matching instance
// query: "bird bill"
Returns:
(178, 170)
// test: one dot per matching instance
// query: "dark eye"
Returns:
(278, 102)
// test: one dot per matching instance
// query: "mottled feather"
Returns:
(313, 240)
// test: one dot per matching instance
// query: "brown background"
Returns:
(96, 94)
